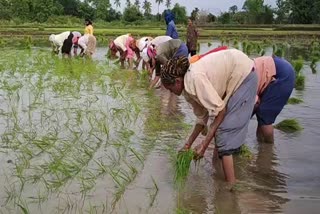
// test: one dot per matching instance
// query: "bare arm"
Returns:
(212, 131)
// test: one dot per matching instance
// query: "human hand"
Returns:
(185, 148)
(200, 150)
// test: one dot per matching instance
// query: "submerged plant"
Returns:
(313, 64)
(294, 100)
(300, 82)
(300, 78)
(289, 125)
(245, 152)
(182, 166)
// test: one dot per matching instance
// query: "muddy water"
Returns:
(281, 178)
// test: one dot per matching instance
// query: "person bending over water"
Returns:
(87, 45)
(163, 52)
(57, 41)
(126, 46)
(223, 85)
(276, 82)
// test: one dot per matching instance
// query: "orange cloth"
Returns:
(266, 70)
(195, 58)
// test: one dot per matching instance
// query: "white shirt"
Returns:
(58, 39)
(83, 41)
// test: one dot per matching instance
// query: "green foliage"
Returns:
(182, 165)
(294, 101)
(245, 152)
(289, 125)
(132, 14)
(180, 13)
(300, 82)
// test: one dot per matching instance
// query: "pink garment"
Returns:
(266, 70)
(151, 52)
(130, 52)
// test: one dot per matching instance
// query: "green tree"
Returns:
(113, 15)
(128, 3)
(70, 7)
(195, 14)
(168, 4)
(147, 8)
(101, 8)
(211, 17)
(137, 3)
(43, 9)
(253, 8)
(225, 18)
(302, 11)
(132, 14)
(180, 13)
(5, 10)
(85, 10)
(159, 2)
(233, 9)
(282, 11)
(117, 3)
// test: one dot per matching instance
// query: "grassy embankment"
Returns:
(11, 34)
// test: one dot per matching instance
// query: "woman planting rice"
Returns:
(76, 37)
(173, 48)
(126, 46)
(147, 52)
(87, 44)
(57, 41)
(221, 84)
(276, 82)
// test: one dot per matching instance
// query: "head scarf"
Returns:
(174, 68)
(168, 16)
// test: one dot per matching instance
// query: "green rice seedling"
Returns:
(198, 47)
(279, 52)
(154, 194)
(289, 125)
(313, 64)
(300, 82)
(236, 43)
(182, 165)
(222, 40)
(209, 44)
(244, 46)
(294, 101)
(262, 53)
(298, 65)
(245, 152)
(182, 211)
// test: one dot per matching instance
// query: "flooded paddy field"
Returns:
(81, 136)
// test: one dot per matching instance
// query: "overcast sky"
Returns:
(213, 6)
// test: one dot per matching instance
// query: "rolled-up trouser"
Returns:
(233, 130)
(277, 93)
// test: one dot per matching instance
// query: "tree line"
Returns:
(252, 11)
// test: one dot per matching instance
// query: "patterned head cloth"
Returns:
(174, 68)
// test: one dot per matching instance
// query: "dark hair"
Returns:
(174, 68)
(89, 22)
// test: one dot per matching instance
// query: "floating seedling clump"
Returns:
(209, 44)
(294, 101)
(289, 125)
